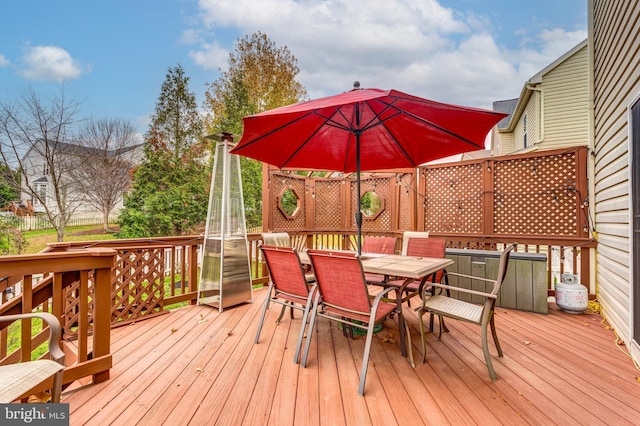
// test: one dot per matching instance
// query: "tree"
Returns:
(260, 76)
(169, 193)
(106, 174)
(8, 192)
(11, 239)
(37, 139)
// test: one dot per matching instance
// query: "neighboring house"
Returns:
(552, 110)
(614, 40)
(38, 172)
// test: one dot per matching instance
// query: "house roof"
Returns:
(507, 106)
(70, 148)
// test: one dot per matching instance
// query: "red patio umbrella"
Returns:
(363, 130)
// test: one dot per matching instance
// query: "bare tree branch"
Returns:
(112, 146)
(36, 138)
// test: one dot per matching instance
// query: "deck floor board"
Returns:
(198, 366)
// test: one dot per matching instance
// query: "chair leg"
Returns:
(441, 323)
(423, 336)
(264, 311)
(495, 336)
(57, 388)
(485, 349)
(314, 314)
(305, 316)
(365, 357)
(284, 308)
(409, 345)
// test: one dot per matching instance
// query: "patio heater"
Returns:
(225, 275)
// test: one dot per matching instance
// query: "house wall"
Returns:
(533, 124)
(566, 102)
(34, 169)
(614, 32)
(504, 144)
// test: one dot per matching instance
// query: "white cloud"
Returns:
(4, 61)
(210, 56)
(50, 63)
(417, 46)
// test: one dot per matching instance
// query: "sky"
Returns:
(112, 56)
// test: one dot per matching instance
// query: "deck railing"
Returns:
(164, 271)
(564, 255)
(75, 287)
(151, 275)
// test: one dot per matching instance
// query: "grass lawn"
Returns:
(37, 240)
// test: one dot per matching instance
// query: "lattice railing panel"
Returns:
(279, 184)
(453, 199)
(328, 201)
(72, 307)
(536, 196)
(407, 194)
(381, 186)
(138, 284)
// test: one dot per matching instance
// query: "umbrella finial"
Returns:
(356, 84)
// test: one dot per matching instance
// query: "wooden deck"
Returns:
(198, 367)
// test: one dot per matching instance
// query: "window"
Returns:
(41, 191)
(371, 204)
(524, 130)
(45, 169)
(289, 203)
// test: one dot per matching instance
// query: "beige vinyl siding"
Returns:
(532, 112)
(533, 128)
(616, 56)
(566, 102)
(506, 143)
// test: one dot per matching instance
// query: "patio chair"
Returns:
(482, 315)
(278, 239)
(287, 287)
(421, 245)
(342, 296)
(17, 379)
(380, 245)
(283, 239)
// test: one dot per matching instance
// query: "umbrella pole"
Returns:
(358, 210)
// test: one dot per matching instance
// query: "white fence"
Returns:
(35, 223)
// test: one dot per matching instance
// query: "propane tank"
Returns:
(571, 296)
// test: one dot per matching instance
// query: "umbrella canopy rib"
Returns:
(398, 144)
(277, 129)
(442, 129)
(295, 152)
(329, 121)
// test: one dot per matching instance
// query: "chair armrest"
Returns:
(456, 274)
(381, 294)
(465, 290)
(55, 330)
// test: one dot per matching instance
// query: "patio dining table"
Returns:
(411, 268)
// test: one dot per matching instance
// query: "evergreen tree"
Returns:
(169, 194)
(8, 192)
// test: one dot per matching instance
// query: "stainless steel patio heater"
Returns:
(225, 274)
